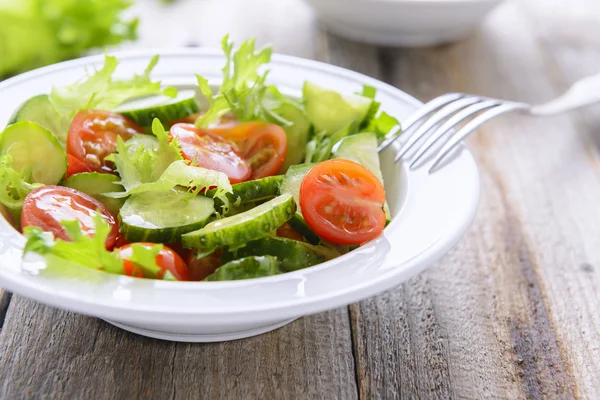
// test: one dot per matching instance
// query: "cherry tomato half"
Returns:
(264, 146)
(200, 268)
(74, 166)
(167, 259)
(93, 136)
(221, 127)
(47, 206)
(211, 151)
(342, 201)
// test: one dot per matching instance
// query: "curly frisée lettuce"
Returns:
(90, 252)
(241, 81)
(14, 185)
(100, 90)
(138, 164)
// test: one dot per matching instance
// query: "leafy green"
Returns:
(100, 91)
(34, 33)
(89, 251)
(379, 124)
(246, 268)
(382, 124)
(14, 186)
(181, 174)
(241, 82)
(137, 164)
(319, 148)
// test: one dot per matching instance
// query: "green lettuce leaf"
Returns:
(380, 124)
(14, 185)
(319, 148)
(181, 174)
(241, 82)
(89, 252)
(144, 165)
(34, 33)
(100, 91)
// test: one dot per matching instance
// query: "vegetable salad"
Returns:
(130, 177)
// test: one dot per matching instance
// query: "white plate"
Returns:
(430, 214)
(403, 22)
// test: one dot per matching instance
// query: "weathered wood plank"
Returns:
(52, 353)
(4, 302)
(511, 312)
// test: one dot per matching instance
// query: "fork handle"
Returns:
(582, 93)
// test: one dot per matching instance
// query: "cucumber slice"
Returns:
(297, 134)
(362, 148)
(298, 223)
(237, 230)
(94, 184)
(163, 217)
(291, 184)
(166, 109)
(39, 109)
(246, 268)
(293, 179)
(36, 151)
(330, 111)
(255, 192)
(148, 142)
(291, 254)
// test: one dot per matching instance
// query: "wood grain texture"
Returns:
(47, 353)
(512, 311)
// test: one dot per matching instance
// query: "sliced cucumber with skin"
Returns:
(298, 223)
(39, 109)
(292, 254)
(250, 192)
(35, 151)
(166, 109)
(297, 134)
(163, 217)
(293, 179)
(148, 142)
(329, 111)
(94, 184)
(246, 268)
(237, 230)
(362, 148)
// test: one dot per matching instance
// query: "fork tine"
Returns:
(471, 126)
(451, 123)
(418, 115)
(432, 121)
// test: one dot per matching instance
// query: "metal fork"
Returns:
(439, 116)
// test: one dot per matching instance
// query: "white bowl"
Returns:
(402, 22)
(430, 214)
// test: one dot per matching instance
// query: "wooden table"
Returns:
(512, 312)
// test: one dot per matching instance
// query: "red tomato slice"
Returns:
(200, 268)
(93, 136)
(211, 151)
(47, 206)
(264, 146)
(167, 259)
(342, 201)
(224, 124)
(75, 166)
